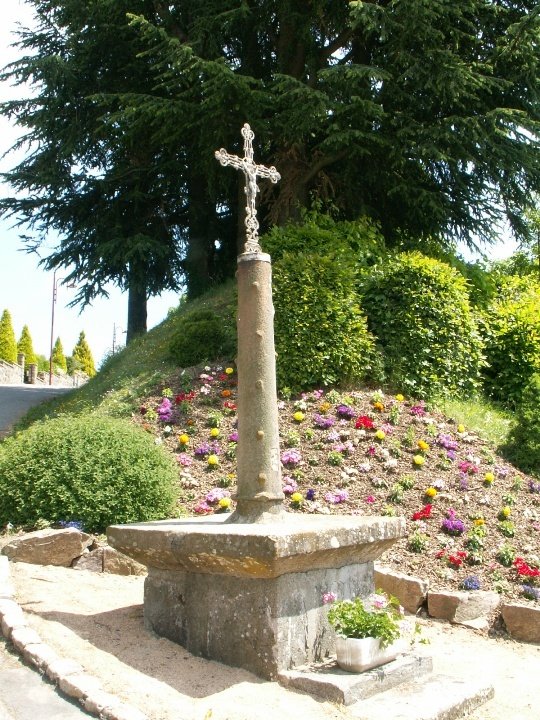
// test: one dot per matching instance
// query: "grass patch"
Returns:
(488, 420)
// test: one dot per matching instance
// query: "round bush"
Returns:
(203, 336)
(418, 308)
(96, 470)
(321, 332)
(523, 447)
(511, 330)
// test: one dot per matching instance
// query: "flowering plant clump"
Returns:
(213, 461)
(364, 422)
(323, 422)
(298, 416)
(335, 498)
(431, 492)
(423, 514)
(531, 592)
(378, 616)
(447, 442)
(534, 487)
(291, 457)
(419, 460)
(345, 411)
(525, 570)
(470, 583)
(452, 524)
(165, 411)
(418, 410)
(297, 499)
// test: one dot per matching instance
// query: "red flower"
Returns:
(422, 514)
(184, 397)
(364, 422)
(524, 569)
(228, 405)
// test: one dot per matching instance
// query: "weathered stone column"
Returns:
(260, 495)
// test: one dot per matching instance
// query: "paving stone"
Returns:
(79, 685)
(459, 607)
(98, 700)
(22, 636)
(123, 712)
(60, 668)
(40, 655)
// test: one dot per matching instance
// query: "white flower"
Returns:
(158, 441)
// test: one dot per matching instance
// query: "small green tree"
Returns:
(25, 346)
(83, 356)
(8, 343)
(58, 357)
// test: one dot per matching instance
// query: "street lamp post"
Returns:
(54, 294)
(115, 329)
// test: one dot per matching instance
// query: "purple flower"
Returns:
(215, 495)
(345, 411)
(501, 471)
(418, 410)
(203, 450)
(529, 591)
(233, 437)
(184, 459)
(165, 410)
(463, 481)
(534, 487)
(336, 498)
(310, 494)
(291, 457)
(452, 524)
(471, 583)
(447, 442)
(290, 486)
(329, 597)
(317, 394)
(323, 422)
(451, 454)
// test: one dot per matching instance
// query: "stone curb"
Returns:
(70, 677)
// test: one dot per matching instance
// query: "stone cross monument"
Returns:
(248, 590)
(260, 493)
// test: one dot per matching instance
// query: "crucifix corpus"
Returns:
(251, 172)
(259, 496)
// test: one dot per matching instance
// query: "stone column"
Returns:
(32, 373)
(20, 363)
(260, 495)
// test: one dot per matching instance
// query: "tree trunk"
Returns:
(136, 321)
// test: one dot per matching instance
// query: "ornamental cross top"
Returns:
(251, 171)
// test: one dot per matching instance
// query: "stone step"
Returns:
(328, 681)
(438, 698)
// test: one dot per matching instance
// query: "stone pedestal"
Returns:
(250, 595)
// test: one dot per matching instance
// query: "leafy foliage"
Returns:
(58, 357)
(321, 331)
(351, 619)
(82, 356)
(8, 344)
(94, 469)
(418, 309)
(523, 447)
(26, 346)
(202, 336)
(511, 330)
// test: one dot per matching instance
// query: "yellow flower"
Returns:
(423, 446)
(506, 512)
(399, 397)
(378, 406)
(324, 407)
(431, 492)
(214, 432)
(419, 460)
(461, 428)
(298, 416)
(213, 460)
(183, 439)
(489, 477)
(297, 498)
(479, 522)
(380, 434)
(225, 503)
(229, 371)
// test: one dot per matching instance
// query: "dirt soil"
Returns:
(97, 620)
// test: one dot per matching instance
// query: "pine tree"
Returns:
(26, 346)
(8, 343)
(82, 356)
(58, 357)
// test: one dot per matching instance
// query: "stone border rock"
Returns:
(475, 609)
(70, 678)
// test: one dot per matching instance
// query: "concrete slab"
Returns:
(329, 682)
(438, 698)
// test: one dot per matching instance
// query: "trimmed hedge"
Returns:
(418, 309)
(92, 469)
(203, 336)
(523, 447)
(321, 333)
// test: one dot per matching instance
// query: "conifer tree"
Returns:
(8, 343)
(58, 357)
(26, 346)
(82, 356)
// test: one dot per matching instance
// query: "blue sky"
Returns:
(26, 290)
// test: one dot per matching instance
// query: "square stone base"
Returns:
(264, 625)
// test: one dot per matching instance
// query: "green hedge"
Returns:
(418, 309)
(92, 469)
(321, 332)
(203, 336)
(511, 329)
(523, 447)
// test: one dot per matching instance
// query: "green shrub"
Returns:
(418, 308)
(523, 446)
(511, 330)
(321, 332)
(93, 469)
(203, 336)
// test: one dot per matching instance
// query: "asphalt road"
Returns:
(16, 400)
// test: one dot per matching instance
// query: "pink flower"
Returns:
(329, 597)
(370, 499)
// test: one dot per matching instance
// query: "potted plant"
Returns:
(368, 631)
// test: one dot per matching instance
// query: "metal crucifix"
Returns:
(251, 171)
